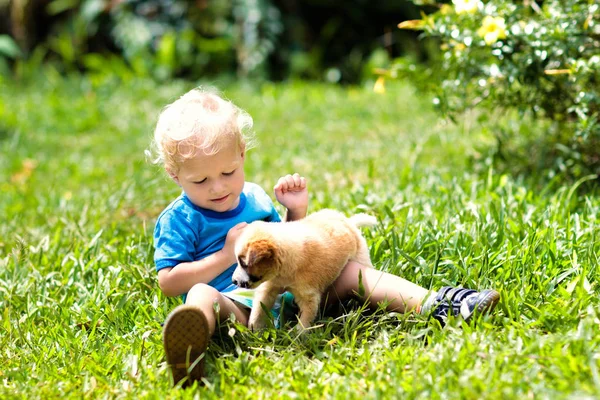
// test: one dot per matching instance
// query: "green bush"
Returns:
(542, 59)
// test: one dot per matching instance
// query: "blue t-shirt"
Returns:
(185, 232)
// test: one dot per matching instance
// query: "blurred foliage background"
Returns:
(332, 40)
(537, 60)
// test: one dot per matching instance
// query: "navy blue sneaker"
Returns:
(464, 302)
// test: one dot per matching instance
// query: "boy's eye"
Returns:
(199, 182)
(228, 173)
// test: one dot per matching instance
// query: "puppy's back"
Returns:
(336, 225)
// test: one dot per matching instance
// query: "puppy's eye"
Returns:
(254, 278)
(242, 263)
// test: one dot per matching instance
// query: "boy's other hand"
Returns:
(291, 192)
(232, 235)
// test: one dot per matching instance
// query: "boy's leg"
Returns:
(404, 296)
(189, 327)
(401, 295)
(204, 297)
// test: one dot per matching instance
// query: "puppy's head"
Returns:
(257, 256)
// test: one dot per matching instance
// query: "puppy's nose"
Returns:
(235, 282)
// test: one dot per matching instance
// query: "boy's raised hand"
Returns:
(291, 192)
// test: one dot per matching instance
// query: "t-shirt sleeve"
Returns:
(174, 241)
(273, 214)
(263, 203)
(274, 217)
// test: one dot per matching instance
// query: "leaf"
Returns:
(564, 275)
(91, 9)
(573, 284)
(412, 24)
(586, 24)
(167, 50)
(361, 287)
(379, 86)
(7, 324)
(9, 48)
(332, 341)
(557, 71)
(59, 6)
(409, 258)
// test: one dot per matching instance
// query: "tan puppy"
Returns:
(304, 257)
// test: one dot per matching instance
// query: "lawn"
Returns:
(80, 307)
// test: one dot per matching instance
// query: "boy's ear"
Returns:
(174, 177)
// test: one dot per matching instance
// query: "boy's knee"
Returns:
(201, 294)
(201, 287)
(349, 281)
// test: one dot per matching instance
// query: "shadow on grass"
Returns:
(341, 325)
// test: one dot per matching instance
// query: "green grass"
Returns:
(79, 301)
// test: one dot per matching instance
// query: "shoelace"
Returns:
(450, 299)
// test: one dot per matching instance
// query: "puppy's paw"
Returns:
(256, 327)
(256, 324)
(301, 329)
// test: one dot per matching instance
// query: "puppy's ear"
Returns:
(261, 250)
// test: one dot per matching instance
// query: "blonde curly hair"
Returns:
(200, 120)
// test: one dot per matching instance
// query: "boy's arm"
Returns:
(177, 280)
(174, 281)
(291, 192)
(294, 215)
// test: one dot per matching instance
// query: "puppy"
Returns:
(304, 257)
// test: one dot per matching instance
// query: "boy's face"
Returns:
(214, 182)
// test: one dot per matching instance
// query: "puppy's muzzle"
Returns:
(244, 280)
(242, 284)
(240, 278)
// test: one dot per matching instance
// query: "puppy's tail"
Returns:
(361, 220)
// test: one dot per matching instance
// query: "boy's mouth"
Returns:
(220, 199)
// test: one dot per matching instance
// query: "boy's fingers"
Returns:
(280, 183)
(296, 178)
(290, 181)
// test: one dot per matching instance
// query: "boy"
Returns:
(201, 139)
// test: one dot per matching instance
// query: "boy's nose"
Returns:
(217, 187)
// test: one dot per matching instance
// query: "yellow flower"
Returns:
(445, 9)
(492, 29)
(465, 6)
(379, 85)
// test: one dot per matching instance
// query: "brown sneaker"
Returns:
(185, 338)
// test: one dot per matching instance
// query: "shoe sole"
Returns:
(489, 302)
(185, 338)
